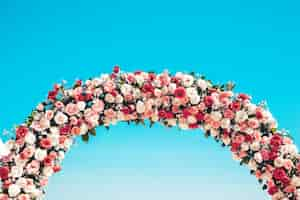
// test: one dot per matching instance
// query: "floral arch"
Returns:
(184, 100)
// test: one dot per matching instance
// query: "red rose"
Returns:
(193, 126)
(169, 115)
(180, 92)
(273, 155)
(186, 113)
(235, 146)
(259, 114)
(65, 130)
(243, 97)
(126, 110)
(162, 114)
(21, 132)
(45, 143)
(272, 190)
(48, 161)
(276, 140)
(52, 95)
(116, 69)
(56, 168)
(200, 116)
(208, 101)
(4, 171)
(147, 87)
(279, 174)
(235, 106)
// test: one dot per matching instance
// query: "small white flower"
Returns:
(216, 116)
(202, 84)
(60, 118)
(188, 80)
(126, 89)
(48, 171)
(14, 190)
(40, 154)
(30, 138)
(140, 107)
(241, 116)
(195, 99)
(225, 123)
(109, 98)
(4, 151)
(16, 171)
(81, 105)
(279, 162)
(255, 146)
(258, 157)
(244, 147)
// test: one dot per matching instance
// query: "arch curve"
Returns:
(184, 100)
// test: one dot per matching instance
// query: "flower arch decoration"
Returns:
(184, 100)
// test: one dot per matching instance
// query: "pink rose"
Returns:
(33, 167)
(49, 114)
(4, 197)
(23, 197)
(98, 106)
(72, 109)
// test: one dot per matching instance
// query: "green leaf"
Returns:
(85, 138)
(93, 132)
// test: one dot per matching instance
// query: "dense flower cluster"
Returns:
(184, 100)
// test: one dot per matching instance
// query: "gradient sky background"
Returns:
(254, 43)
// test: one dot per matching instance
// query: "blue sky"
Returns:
(254, 43)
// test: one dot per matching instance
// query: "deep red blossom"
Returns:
(235, 106)
(248, 138)
(65, 130)
(200, 116)
(208, 101)
(4, 171)
(48, 161)
(148, 88)
(280, 175)
(244, 97)
(52, 95)
(56, 168)
(163, 114)
(276, 140)
(180, 92)
(272, 190)
(193, 126)
(235, 146)
(46, 143)
(21, 132)
(78, 83)
(126, 110)
(186, 113)
(259, 115)
(116, 69)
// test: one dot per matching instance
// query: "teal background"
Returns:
(254, 43)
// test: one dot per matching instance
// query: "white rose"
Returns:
(241, 116)
(68, 143)
(16, 171)
(126, 89)
(255, 146)
(14, 190)
(172, 87)
(216, 116)
(140, 107)
(30, 138)
(202, 84)
(109, 98)
(54, 130)
(81, 105)
(40, 154)
(279, 162)
(251, 108)
(60, 118)
(195, 99)
(48, 171)
(191, 119)
(139, 79)
(61, 155)
(258, 157)
(119, 98)
(225, 123)
(244, 147)
(252, 164)
(296, 181)
(188, 80)
(83, 129)
(54, 139)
